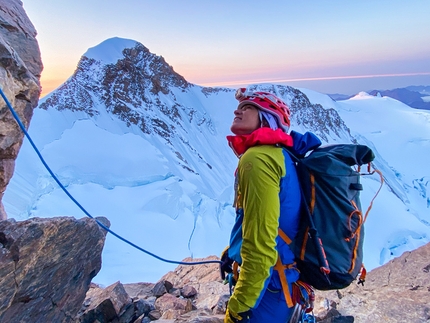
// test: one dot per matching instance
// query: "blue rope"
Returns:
(21, 125)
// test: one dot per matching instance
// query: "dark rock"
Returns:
(159, 289)
(139, 290)
(128, 313)
(333, 316)
(140, 319)
(188, 291)
(154, 315)
(46, 266)
(168, 285)
(175, 292)
(143, 307)
(106, 304)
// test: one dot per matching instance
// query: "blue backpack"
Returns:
(329, 244)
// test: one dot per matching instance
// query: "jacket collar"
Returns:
(261, 136)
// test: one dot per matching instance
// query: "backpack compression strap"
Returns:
(280, 268)
(296, 297)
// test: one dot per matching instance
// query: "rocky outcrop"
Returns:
(20, 69)
(396, 292)
(399, 291)
(46, 267)
(187, 294)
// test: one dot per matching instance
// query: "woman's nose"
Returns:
(236, 112)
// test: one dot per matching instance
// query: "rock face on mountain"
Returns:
(46, 267)
(20, 69)
(129, 89)
(135, 86)
(144, 92)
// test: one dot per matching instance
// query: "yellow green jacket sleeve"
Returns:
(259, 174)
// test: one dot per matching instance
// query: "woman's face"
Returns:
(246, 120)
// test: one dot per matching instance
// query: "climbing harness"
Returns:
(21, 125)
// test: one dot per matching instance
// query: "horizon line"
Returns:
(322, 78)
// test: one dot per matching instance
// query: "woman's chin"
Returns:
(239, 132)
(236, 130)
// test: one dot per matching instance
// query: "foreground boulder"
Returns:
(46, 267)
(20, 69)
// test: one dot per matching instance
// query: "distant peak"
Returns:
(362, 95)
(110, 50)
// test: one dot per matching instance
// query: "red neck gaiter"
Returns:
(261, 136)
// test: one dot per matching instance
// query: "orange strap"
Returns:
(285, 288)
(371, 202)
(279, 267)
(284, 236)
(235, 271)
(354, 231)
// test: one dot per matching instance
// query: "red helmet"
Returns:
(267, 102)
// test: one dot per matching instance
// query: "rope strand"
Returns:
(21, 125)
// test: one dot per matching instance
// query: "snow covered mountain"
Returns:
(133, 141)
(414, 99)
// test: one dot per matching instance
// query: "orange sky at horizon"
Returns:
(50, 84)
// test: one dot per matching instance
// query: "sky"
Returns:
(140, 184)
(331, 46)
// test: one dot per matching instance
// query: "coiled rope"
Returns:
(21, 125)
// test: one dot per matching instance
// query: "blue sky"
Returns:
(328, 46)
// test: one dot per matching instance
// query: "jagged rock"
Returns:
(168, 286)
(154, 315)
(175, 292)
(46, 267)
(159, 289)
(399, 291)
(140, 290)
(143, 306)
(20, 69)
(188, 291)
(333, 316)
(168, 301)
(118, 303)
(194, 274)
(221, 305)
(200, 316)
(205, 279)
(106, 304)
(141, 319)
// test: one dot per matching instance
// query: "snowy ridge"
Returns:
(134, 141)
(110, 51)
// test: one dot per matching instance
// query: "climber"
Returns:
(267, 197)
